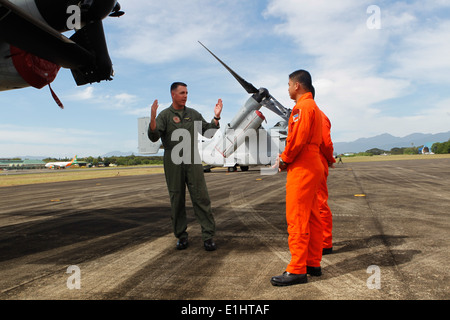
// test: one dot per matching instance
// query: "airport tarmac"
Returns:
(113, 238)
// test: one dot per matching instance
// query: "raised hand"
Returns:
(218, 108)
(153, 115)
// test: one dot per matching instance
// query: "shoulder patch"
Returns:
(296, 115)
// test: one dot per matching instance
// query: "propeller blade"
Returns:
(280, 106)
(271, 106)
(246, 85)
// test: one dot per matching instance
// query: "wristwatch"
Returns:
(216, 118)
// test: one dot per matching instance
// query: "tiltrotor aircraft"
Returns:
(243, 142)
(33, 49)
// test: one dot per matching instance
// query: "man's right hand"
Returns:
(153, 115)
(154, 109)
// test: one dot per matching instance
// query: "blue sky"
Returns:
(393, 79)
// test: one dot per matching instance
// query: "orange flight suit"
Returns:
(304, 173)
(326, 155)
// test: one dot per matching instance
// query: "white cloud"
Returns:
(85, 93)
(154, 32)
(124, 102)
(424, 55)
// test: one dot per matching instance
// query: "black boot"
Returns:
(210, 245)
(288, 279)
(182, 244)
(314, 271)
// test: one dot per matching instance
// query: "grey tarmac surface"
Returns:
(117, 232)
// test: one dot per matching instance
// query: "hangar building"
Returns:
(14, 164)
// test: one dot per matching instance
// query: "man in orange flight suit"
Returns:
(326, 155)
(305, 171)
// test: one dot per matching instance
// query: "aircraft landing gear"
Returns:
(234, 169)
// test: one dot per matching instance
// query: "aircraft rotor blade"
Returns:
(283, 109)
(246, 85)
(274, 106)
(271, 106)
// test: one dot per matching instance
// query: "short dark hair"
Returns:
(175, 85)
(304, 78)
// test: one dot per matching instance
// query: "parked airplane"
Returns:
(32, 48)
(243, 142)
(61, 164)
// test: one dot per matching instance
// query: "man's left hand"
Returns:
(279, 164)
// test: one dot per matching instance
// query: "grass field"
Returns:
(73, 174)
(7, 180)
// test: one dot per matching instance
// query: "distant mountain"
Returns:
(31, 157)
(386, 141)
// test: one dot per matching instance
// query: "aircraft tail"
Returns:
(73, 161)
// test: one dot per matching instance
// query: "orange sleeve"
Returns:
(326, 148)
(299, 131)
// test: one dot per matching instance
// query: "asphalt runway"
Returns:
(113, 238)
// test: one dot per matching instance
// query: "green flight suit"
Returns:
(180, 175)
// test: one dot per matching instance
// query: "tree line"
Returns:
(131, 160)
(441, 147)
(438, 148)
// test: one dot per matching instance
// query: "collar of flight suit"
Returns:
(177, 110)
(307, 95)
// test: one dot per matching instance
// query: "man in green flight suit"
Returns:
(189, 173)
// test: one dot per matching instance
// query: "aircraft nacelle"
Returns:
(253, 103)
(244, 141)
(234, 137)
(9, 76)
(33, 48)
(58, 15)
